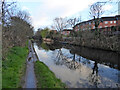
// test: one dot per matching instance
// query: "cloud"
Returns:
(109, 10)
(40, 21)
(49, 9)
(107, 7)
(28, 0)
(65, 7)
(25, 8)
(44, 11)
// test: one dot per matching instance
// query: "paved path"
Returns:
(30, 79)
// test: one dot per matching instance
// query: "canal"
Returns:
(81, 67)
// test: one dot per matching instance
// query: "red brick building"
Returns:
(105, 23)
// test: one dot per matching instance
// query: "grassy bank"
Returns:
(46, 78)
(13, 67)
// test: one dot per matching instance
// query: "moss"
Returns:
(13, 67)
(46, 78)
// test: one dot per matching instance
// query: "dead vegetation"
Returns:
(16, 26)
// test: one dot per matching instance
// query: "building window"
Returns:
(106, 22)
(110, 21)
(114, 21)
(106, 26)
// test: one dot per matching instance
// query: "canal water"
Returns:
(81, 67)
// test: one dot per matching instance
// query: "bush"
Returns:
(96, 39)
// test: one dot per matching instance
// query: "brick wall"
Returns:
(107, 22)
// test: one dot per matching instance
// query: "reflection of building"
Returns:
(105, 23)
(66, 31)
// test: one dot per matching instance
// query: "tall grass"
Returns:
(13, 67)
(46, 78)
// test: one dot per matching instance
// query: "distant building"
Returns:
(105, 23)
(66, 31)
(55, 31)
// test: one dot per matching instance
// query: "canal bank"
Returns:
(39, 75)
(97, 40)
(46, 78)
(13, 67)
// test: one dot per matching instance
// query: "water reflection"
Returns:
(94, 77)
(81, 67)
(70, 63)
(104, 57)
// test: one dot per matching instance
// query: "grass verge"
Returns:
(13, 67)
(46, 78)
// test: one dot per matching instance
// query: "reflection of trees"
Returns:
(70, 63)
(38, 43)
(59, 57)
(46, 46)
(94, 77)
(95, 68)
(118, 77)
(74, 57)
(42, 45)
(108, 58)
(54, 46)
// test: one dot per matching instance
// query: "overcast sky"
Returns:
(44, 11)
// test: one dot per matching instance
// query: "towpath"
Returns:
(30, 79)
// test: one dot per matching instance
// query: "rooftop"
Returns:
(102, 19)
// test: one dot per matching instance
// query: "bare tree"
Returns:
(60, 24)
(73, 21)
(0, 13)
(7, 11)
(16, 27)
(96, 11)
(24, 15)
